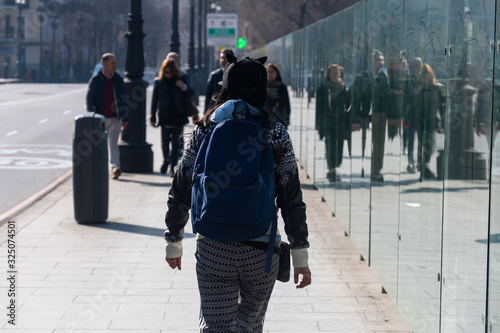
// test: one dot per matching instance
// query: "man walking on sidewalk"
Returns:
(106, 96)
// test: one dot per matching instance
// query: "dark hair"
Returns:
(227, 50)
(276, 69)
(221, 98)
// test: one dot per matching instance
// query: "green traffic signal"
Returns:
(241, 43)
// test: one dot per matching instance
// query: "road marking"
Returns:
(43, 121)
(67, 111)
(12, 133)
(33, 163)
(31, 100)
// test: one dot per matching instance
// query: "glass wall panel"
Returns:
(360, 92)
(421, 187)
(385, 36)
(318, 95)
(419, 103)
(466, 191)
(341, 56)
(489, 126)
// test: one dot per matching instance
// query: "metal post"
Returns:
(200, 68)
(205, 48)
(20, 37)
(174, 34)
(191, 40)
(135, 153)
(53, 24)
(41, 16)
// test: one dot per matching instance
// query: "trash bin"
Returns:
(90, 169)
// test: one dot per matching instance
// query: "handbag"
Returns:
(284, 265)
(190, 106)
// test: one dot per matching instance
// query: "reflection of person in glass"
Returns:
(483, 114)
(413, 100)
(422, 117)
(331, 117)
(277, 102)
(380, 97)
(396, 73)
(361, 94)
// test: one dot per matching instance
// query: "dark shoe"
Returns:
(164, 167)
(410, 168)
(116, 172)
(331, 176)
(377, 177)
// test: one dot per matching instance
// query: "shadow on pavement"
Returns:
(167, 184)
(133, 228)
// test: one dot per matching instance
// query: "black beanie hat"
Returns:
(246, 78)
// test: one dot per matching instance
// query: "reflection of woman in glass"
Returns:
(425, 123)
(277, 102)
(331, 117)
(396, 71)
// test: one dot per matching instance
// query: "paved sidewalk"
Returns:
(112, 277)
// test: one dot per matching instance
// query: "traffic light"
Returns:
(241, 43)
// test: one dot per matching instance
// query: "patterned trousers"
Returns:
(234, 288)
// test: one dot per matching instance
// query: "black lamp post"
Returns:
(41, 17)
(54, 23)
(200, 29)
(20, 38)
(135, 153)
(174, 34)
(191, 40)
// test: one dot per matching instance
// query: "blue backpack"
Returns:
(232, 194)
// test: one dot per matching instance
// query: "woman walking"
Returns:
(168, 102)
(232, 280)
(332, 120)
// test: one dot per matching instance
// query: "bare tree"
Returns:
(262, 21)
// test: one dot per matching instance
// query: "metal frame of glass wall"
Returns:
(395, 111)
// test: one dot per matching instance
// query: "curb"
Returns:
(25, 204)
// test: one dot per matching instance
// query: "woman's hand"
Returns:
(174, 262)
(181, 85)
(306, 276)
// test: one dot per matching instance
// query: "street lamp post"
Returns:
(200, 25)
(54, 23)
(20, 37)
(191, 40)
(135, 153)
(41, 17)
(174, 34)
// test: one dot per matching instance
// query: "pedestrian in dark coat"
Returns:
(168, 102)
(332, 121)
(106, 95)
(215, 79)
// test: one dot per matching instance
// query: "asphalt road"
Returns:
(36, 132)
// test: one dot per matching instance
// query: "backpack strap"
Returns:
(270, 245)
